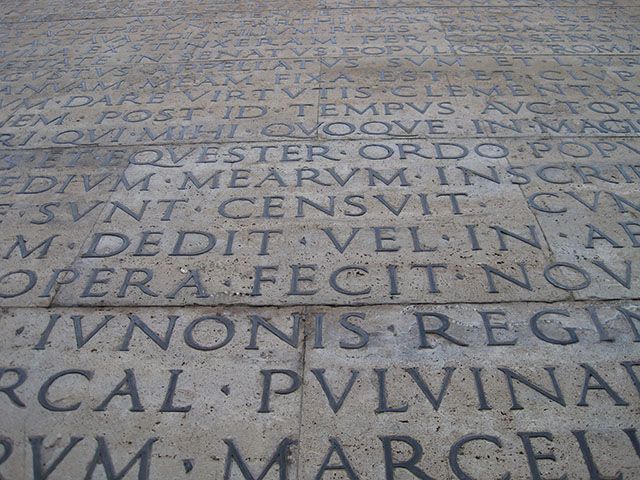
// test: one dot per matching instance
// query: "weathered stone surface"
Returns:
(410, 385)
(350, 380)
(203, 351)
(324, 239)
(417, 94)
(322, 222)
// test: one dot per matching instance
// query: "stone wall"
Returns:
(322, 239)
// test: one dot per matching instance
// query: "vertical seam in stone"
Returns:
(570, 294)
(56, 291)
(305, 323)
(318, 99)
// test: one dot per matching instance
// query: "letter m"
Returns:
(190, 178)
(124, 181)
(279, 458)
(21, 245)
(103, 457)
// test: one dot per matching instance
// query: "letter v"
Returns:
(335, 404)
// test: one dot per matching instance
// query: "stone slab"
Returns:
(183, 422)
(319, 222)
(410, 95)
(36, 12)
(400, 393)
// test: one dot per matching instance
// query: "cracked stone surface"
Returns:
(323, 239)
